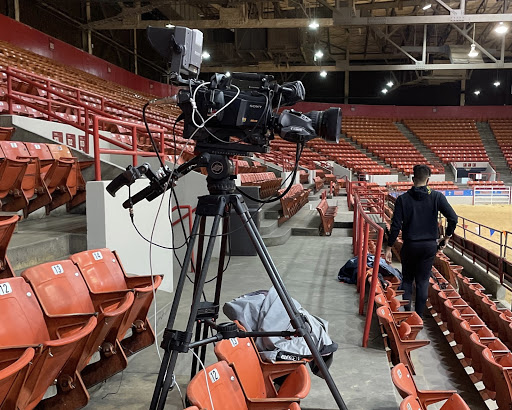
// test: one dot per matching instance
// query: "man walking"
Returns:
(416, 214)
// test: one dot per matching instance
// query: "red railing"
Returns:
(363, 226)
(134, 151)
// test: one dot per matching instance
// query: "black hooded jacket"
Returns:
(416, 214)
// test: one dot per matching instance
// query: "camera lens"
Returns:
(327, 124)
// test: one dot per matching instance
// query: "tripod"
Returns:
(217, 206)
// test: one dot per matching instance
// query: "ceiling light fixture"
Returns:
(205, 55)
(501, 28)
(319, 54)
(477, 92)
(228, 74)
(314, 25)
(497, 83)
(170, 25)
(473, 52)
(323, 73)
(390, 84)
(384, 91)
(427, 6)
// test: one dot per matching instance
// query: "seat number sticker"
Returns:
(57, 269)
(14, 145)
(37, 146)
(5, 288)
(214, 375)
(97, 256)
(234, 341)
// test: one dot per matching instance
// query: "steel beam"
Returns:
(272, 68)
(483, 50)
(343, 20)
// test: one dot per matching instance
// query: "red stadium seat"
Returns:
(59, 341)
(219, 385)
(256, 377)
(103, 272)
(455, 402)
(14, 366)
(61, 290)
(7, 226)
(406, 387)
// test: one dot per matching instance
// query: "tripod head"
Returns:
(220, 177)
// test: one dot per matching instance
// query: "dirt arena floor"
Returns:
(497, 217)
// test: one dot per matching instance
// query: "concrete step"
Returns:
(267, 226)
(47, 239)
(278, 237)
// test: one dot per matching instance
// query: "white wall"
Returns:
(382, 179)
(109, 225)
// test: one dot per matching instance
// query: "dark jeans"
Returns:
(417, 259)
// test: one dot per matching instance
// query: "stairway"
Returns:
(370, 155)
(493, 150)
(427, 153)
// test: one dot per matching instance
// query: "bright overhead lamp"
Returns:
(389, 84)
(228, 74)
(427, 6)
(170, 25)
(319, 54)
(497, 83)
(473, 52)
(323, 73)
(476, 92)
(205, 55)
(314, 25)
(384, 91)
(501, 28)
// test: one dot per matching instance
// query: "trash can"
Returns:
(241, 244)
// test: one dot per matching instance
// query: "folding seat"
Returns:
(222, 389)
(498, 378)
(7, 226)
(12, 171)
(58, 342)
(103, 272)
(481, 340)
(400, 348)
(60, 280)
(404, 383)
(455, 402)
(5, 133)
(14, 365)
(257, 377)
(504, 322)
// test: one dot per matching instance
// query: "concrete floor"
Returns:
(308, 266)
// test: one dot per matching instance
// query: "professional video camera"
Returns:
(223, 119)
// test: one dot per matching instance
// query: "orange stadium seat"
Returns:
(59, 341)
(257, 377)
(61, 290)
(454, 402)
(14, 367)
(103, 272)
(218, 385)
(5, 133)
(7, 226)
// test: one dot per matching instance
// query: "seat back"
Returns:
(62, 152)
(403, 381)
(240, 353)
(11, 170)
(410, 403)
(15, 151)
(223, 388)
(22, 320)
(100, 270)
(7, 226)
(13, 373)
(60, 288)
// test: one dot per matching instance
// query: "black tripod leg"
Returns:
(296, 319)
(174, 311)
(167, 371)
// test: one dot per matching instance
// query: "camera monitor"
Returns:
(181, 46)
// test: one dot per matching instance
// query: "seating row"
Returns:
(57, 315)
(267, 181)
(293, 200)
(35, 175)
(327, 214)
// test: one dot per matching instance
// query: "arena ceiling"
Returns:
(352, 35)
